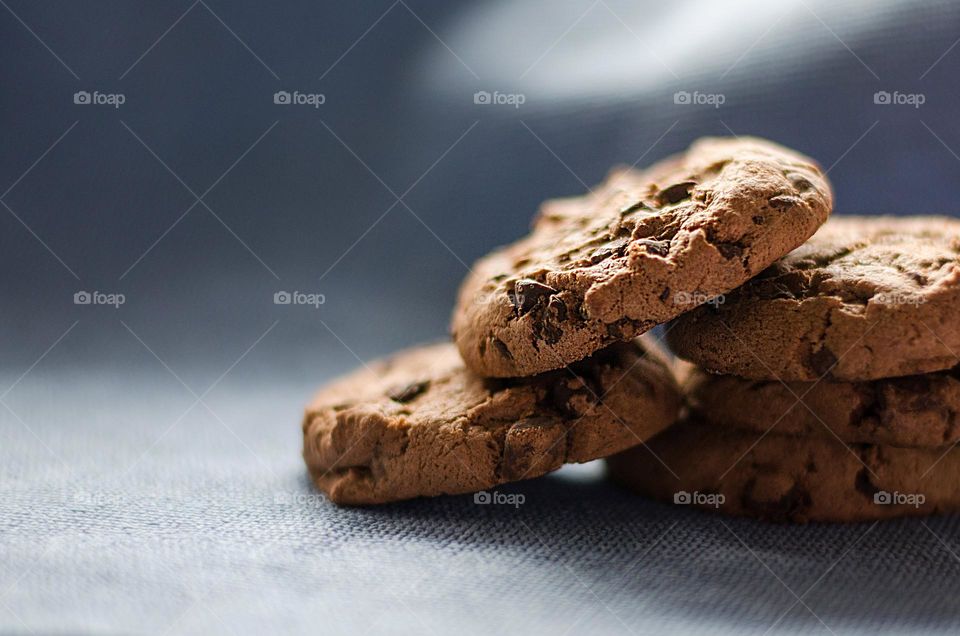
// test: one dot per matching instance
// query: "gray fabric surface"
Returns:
(119, 516)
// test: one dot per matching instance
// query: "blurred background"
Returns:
(305, 196)
(180, 164)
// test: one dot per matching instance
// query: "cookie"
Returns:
(865, 298)
(420, 424)
(915, 410)
(785, 478)
(644, 247)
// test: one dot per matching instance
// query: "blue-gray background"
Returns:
(149, 453)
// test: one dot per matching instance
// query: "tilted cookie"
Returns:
(420, 424)
(865, 298)
(644, 247)
(786, 478)
(915, 410)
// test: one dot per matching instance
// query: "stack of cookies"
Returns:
(824, 389)
(547, 365)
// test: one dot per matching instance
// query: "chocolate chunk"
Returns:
(550, 333)
(823, 361)
(621, 329)
(717, 166)
(527, 293)
(502, 348)
(613, 248)
(863, 484)
(800, 183)
(557, 309)
(406, 393)
(783, 201)
(560, 396)
(652, 246)
(919, 278)
(532, 446)
(639, 205)
(729, 250)
(549, 327)
(675, 193)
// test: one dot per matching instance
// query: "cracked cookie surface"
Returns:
(420, 424)
(644, 247)
(865, 298)
(909, 411)
(786, 478)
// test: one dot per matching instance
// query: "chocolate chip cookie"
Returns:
(865, 298)
(420, 424)
(915, 410)
(786, 478)
(644, 247)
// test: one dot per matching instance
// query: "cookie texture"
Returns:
(785, 478)
(915, 410)
(642, 248)
(865, 298)
(420, 424)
